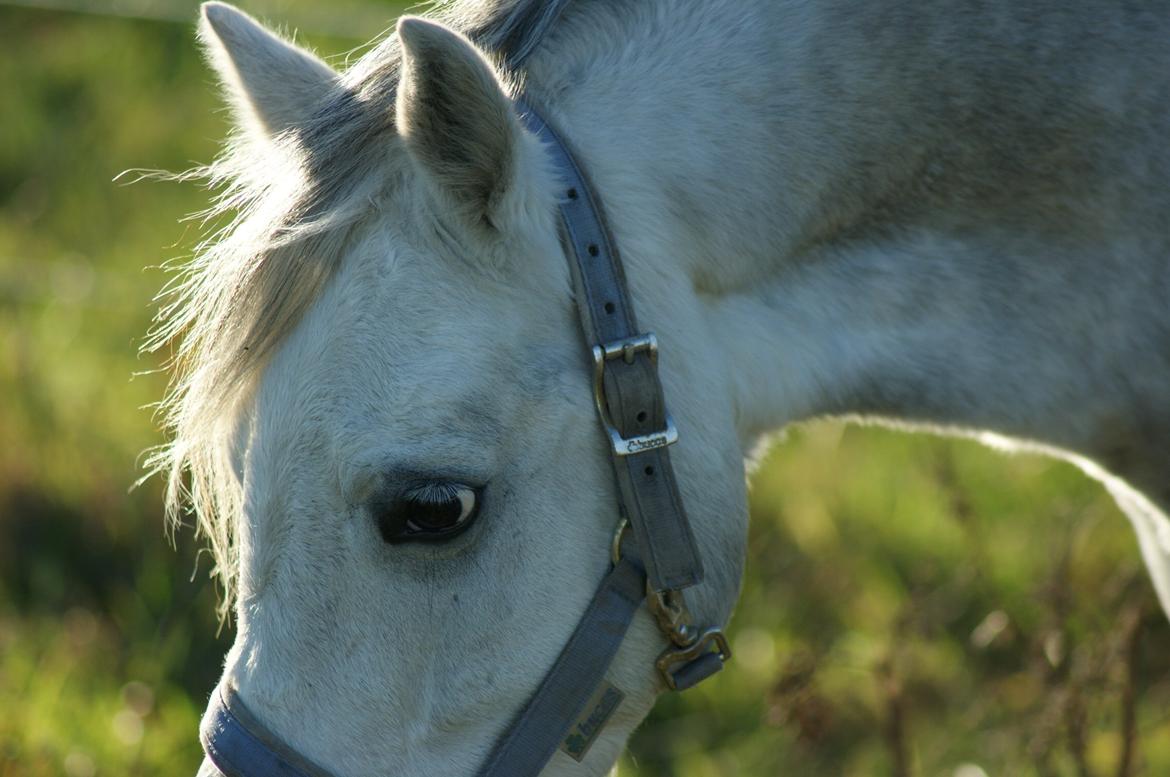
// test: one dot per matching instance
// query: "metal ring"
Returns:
(619, 534)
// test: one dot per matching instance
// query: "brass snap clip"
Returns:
(669, 608)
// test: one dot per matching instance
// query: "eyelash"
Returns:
(429, 512)
(432, 493)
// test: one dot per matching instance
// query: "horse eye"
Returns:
(428, 513)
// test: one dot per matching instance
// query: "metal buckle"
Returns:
(615, 547)
(626, 349)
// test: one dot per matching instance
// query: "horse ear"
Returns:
(274, 84)
(456, 119)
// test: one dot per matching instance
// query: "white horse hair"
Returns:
(949, 215)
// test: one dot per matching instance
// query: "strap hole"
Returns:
(609, 308)
(572, 194)
(593, 249)
(649, 471)
(641, 416)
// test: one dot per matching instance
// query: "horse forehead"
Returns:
(441, 358)
(437, 297)
(434, 411)
(472, 382)
(422, 335)
(429, 319)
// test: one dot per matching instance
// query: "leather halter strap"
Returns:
(627, 390)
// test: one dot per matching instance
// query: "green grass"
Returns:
(907, 597)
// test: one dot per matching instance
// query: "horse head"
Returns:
(384, 416)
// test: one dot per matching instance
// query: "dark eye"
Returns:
(428, 512)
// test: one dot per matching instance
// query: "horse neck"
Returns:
(844, 256)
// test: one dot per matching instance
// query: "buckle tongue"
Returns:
(626, 349)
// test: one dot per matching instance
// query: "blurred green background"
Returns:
(913, 606)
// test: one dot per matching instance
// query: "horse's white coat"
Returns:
(944, 216)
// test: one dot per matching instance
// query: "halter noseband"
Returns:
(573, 702)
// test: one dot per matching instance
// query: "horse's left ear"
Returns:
(457, 120)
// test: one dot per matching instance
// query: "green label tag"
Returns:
(591, 720)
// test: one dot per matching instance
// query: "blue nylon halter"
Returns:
(240, 746)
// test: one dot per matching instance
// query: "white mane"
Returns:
(290, 204)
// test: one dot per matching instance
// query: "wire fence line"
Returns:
(358, 21)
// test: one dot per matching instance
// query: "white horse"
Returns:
(944, 214)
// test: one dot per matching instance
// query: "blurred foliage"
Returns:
(913, 605)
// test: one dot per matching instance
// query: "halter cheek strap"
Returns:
(547, 721)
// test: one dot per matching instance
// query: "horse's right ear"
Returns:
(273, 84)
(457, 120)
